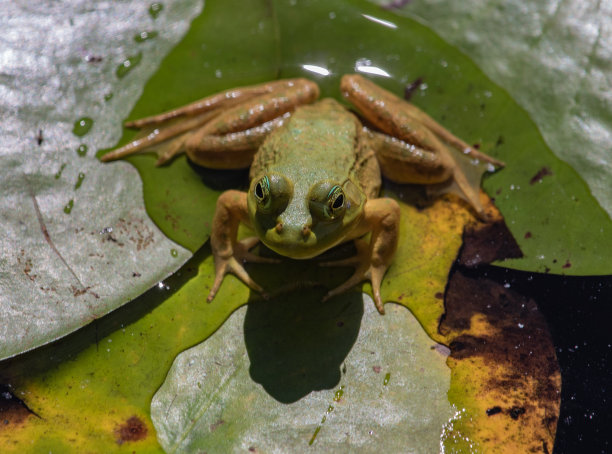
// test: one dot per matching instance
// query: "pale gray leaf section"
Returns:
(393, 396)
(58, 62)
(554, 57)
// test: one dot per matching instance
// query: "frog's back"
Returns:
(322, 141)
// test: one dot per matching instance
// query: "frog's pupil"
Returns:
(259, 191)
(338, 202)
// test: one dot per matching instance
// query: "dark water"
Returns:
(579, 313)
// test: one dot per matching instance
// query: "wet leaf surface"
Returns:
(250, 386)
(119, 362)
(555, 64)
(75, 236)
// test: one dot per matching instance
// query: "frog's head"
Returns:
(303, 222)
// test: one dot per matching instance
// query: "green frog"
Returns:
(315, 170)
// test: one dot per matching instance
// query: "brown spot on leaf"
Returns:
(412, 87)
(528, 235)
(544, 171)
(376, 369)
(13, 411)
(486, 242)
(515, 412)
(493, 410)
(439, 295)
(567, 264)
(134, 429)
(216, 425)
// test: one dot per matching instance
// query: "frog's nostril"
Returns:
(306, 231)
(279, 227)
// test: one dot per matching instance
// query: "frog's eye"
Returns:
(262, 191)
(271, 193)
(335, 202)
(327, 202)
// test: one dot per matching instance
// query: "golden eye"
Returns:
(335, 202)
(327, 201)
(271, 193)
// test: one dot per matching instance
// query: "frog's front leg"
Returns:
(228, 252)
(381, 217)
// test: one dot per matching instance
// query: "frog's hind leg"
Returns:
(223, 100)
(231, 120)
(414, 148)
(401, 119)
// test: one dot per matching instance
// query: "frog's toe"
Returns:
(355, 279)
(364, 272)
(361, 257)
(224, 266)
(242, 252)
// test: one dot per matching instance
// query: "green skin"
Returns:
(314, 151)
(315, 170)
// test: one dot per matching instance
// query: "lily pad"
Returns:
(227, 393)
(76, 241)
(101, 397)
(554, 60)
(543, 200)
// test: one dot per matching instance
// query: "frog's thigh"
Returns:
(405, 163)
(228, 151)
(222, 100)
(401, 119)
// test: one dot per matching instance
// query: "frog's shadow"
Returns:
(297, 344)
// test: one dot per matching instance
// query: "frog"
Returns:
(316, 168)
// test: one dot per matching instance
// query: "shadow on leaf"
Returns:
(297, 344)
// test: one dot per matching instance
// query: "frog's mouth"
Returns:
(294, 243)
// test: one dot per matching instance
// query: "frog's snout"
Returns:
(292, 240)
(306, 230)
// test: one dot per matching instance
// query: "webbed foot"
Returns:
(364, 270)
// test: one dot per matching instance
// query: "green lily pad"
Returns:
(543, 200)
(99, 401)
(554, 64)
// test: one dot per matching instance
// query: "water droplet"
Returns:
(173, 252)
(127, 65)
(82, 126)
(520, 325)
(387, 378)
(82, 150)
(79, 181)
(155, 9)
(145, 36)
(68, 207)
(218, 74)
(506, 285)
(58, 174)
(338, 395)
